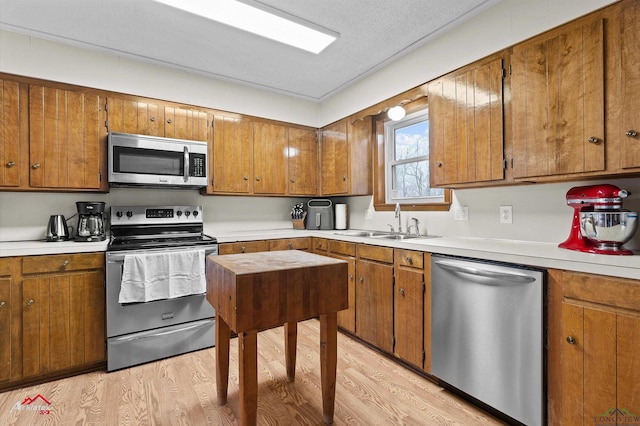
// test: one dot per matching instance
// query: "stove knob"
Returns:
(195, 213)
(119, 213)
(129, 213)
(179, 213)
(187, 213)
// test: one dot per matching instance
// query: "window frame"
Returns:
(380, 167)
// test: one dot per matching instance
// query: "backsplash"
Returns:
(540, 212)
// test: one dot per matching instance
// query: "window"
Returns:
(406, 144)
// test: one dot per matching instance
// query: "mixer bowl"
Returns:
(608, 230)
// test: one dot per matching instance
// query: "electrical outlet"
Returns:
(506, 214)
(461, 213)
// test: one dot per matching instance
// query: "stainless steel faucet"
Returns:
(399, 218)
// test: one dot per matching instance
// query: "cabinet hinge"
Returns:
(393, 342)
(106, 104)
(510, 70)
(504, 164)
(424, 356)
(504, 73)
(424, 287)
(106, 124)
(393, 280)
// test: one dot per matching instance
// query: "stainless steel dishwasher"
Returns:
(487, 334)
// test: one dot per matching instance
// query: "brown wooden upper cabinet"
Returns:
(66, 140)
(346, 152)
(269, 158)
(302, 161)
(13, 102)
(155, 119)
(231, 165)
(557, 100)
(466, 124)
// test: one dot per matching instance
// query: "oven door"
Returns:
(147, 161)
(137, 317)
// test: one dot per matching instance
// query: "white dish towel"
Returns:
(155, 276)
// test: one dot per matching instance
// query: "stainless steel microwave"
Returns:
(148, 161)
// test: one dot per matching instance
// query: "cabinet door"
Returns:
(62, 321)
(302, 158)
(333, 160)
(557, 98)
(630, 108)
(66, 136)
(360, 156)
(303, 243)
(408, 314)
(466, 116)
(5, 328)
(231, 162)
(181, 123)
(374, 304)
(347, 317)
(269, 158)
(10, 133)
(137, 117)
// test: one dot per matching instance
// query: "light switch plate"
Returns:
(506, 214)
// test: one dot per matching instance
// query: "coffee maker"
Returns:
(600, 225)
(91, 221)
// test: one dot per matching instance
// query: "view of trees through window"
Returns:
(410, 162)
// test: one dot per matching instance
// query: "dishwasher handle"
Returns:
(460, 267)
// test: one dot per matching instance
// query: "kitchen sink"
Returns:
(398, 236)
(381, 234)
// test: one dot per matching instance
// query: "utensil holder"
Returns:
(299, 223)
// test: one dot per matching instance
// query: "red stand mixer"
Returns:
(600, 225)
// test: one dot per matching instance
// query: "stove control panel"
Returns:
(147, 215)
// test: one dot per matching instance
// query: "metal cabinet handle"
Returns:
(571, 340)
(631, 133)
(258, 178)
(246, 178)
(65, 263)
(293, 180)
(30, 302)
(350, 276)
(290, 245)
(169, 120)
(409, 260)
(438, 164)
(319, 244)
(153, 119)
(593, 140)
(361, 279)
(243, 249)
(344, 178)
(36, 166)
(402, 291)
(2, 303)
(11, 163)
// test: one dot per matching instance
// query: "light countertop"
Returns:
(542, 255)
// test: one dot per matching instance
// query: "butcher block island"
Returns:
(257, 291)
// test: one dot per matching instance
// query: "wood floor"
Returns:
(370, 390)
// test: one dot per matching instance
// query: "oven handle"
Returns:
(186, 164)
(124, 339)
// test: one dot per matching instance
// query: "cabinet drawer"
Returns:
(61, 263)
(616, 292)
(320, 244)
(290, 244)
(342, 247)
(5, 265)
(380, 254)
(243, 247)
(409, 258)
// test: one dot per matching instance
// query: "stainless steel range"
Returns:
(156, 301)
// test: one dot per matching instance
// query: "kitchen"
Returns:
(540, 212)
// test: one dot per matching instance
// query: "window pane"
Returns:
(412, 141)
(411, 180)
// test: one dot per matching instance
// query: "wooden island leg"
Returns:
(248, 359)
(328, 363)
(222, 359)
(290, 342)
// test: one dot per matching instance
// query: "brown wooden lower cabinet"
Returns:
(346, 251)
(243, 247)
(594, 349)
(56, 316)
(303, 243)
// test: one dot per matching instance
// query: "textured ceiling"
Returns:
(373, 33)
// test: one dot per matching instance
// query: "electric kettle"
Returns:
(57, 229)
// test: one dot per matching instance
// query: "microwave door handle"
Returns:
(186, 164)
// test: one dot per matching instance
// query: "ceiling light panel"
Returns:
(269, 24)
